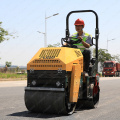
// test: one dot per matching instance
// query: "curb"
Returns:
(14, 79)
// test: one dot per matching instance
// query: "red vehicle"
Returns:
(111, 68)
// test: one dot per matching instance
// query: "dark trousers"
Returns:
(87, 56)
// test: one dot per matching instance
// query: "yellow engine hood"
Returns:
(54, 58)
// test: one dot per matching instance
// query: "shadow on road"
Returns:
(42, 115)
(35, 115)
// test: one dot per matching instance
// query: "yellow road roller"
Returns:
(56, 82)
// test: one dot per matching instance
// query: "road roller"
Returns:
(56, 82)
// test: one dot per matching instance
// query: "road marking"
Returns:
(109, 78)
(13, 83)
(24, 82)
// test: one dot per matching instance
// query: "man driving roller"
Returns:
(84, 44)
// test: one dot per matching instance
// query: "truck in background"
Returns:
(111, 68)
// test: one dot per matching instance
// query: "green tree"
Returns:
(8, 64)
(3, 33)
(54, 45)
(103, 55)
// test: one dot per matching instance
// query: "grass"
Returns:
(12, 75)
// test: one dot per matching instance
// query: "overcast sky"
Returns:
(24, 18)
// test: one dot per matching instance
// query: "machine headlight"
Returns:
(33, 82)
(58, 83)
(112, 72)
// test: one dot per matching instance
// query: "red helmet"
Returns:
(79, 22)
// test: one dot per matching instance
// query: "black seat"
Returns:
(93, 61)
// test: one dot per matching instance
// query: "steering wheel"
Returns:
(70, 42)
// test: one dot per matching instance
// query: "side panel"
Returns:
(75, 83)
(118, 66)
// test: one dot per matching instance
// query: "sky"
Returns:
(23, 18)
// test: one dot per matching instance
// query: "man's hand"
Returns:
(79, 37)
(84, 43)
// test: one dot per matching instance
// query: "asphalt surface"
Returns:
(12, 105)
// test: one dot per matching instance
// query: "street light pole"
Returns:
(44, 36)
(45, 33)
(108, 41)
(45, 39)
(46, 27)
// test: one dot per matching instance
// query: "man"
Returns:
(84, 45)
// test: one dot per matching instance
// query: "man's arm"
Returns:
(88, 42)
(85, 44)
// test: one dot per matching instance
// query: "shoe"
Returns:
(85, 73)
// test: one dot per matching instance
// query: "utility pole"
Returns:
(108, 41)
(45, 33)
(44, 36)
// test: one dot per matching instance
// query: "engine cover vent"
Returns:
(78, 53)
(48, 54)
(45, 65)
(46, 61)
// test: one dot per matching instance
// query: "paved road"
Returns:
(12, 103)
